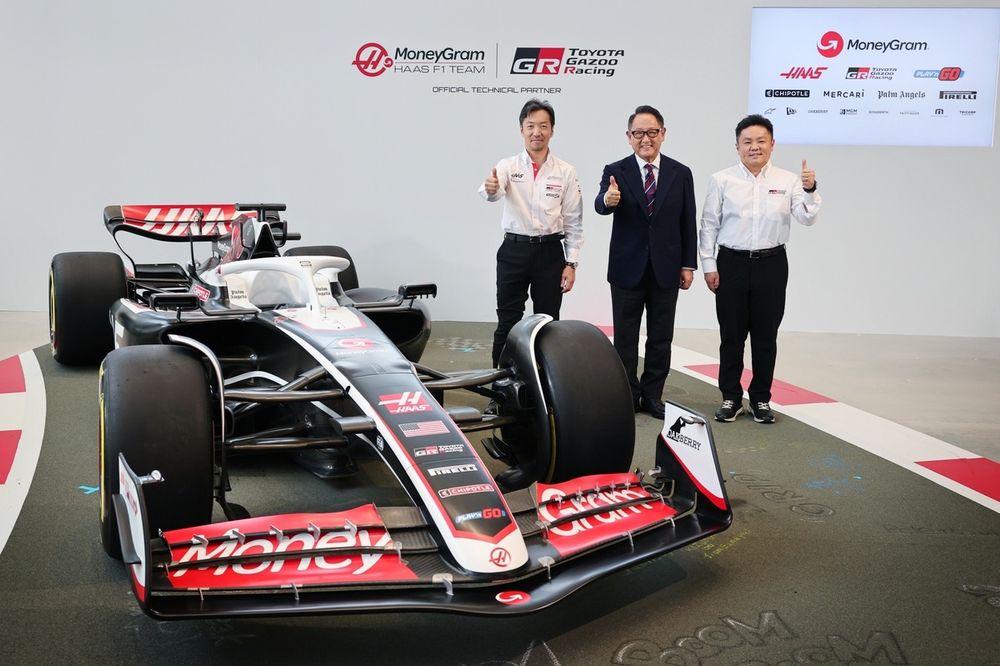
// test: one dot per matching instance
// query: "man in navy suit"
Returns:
(653, 253)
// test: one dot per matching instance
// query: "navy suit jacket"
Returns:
(667, 239)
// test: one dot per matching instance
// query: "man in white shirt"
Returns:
(744, 227)
(542, 223)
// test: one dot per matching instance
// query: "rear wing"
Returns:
(177, 222)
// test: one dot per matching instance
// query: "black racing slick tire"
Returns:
(591, 418)
(82, 287)
(156, 409)
(348, 279)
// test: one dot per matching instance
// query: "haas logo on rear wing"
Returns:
(176, 222)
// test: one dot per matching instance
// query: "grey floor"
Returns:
(945, 387)
(835, 555)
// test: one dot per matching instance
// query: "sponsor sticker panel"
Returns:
(573, 510)
(876, 76)
(337, 553)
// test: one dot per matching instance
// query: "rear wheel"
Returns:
(82, 288)
(156, 409)
(348, 279)
(591, 422)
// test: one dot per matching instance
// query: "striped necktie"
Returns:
(649, 187)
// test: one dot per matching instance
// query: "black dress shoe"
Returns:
(652, 407)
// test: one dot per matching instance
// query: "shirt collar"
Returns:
(642, 163)
(526, 158)
(763, 172)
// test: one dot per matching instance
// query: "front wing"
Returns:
(388, 559)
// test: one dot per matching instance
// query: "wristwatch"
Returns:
(572, 264)
(812, 189)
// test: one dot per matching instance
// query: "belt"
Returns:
(521, 238)
(754, 254)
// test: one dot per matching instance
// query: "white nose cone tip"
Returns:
(481, 556)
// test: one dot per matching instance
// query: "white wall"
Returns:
(189, 102)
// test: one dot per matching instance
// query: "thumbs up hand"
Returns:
(492, 183)
(613, 195)
(808, 176)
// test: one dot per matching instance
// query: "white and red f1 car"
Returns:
(262, 350)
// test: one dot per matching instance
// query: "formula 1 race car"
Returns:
(280, 353)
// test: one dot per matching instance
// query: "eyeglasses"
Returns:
(651, 133)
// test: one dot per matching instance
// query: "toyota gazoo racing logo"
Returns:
(832, 43)
(407, 402)
(803, 73)
(436, 450)
(871, 73)
(943, 74)
(372, 59)
(537, 61)
(560, 60)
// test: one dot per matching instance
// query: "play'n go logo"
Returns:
(830, 44)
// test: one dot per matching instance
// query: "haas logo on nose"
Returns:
(407, 402)
(830, 44)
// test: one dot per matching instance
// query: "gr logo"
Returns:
(537, 60)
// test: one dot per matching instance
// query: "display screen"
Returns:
(906, 76)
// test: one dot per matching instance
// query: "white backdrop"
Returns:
(124, 102)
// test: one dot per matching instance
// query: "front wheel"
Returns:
(588, 425)
(156, 409)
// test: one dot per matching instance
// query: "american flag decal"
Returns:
(423, 428)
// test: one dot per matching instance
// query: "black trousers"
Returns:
(750, 299)
(626, 310)
(523, 269)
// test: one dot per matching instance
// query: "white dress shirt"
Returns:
(642, 168)
(747, 212)
(538, 205)
(642, 172)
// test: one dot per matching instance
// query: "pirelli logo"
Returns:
(958, 94)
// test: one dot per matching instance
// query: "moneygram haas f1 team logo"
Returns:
(537, 61)
(372, 59)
